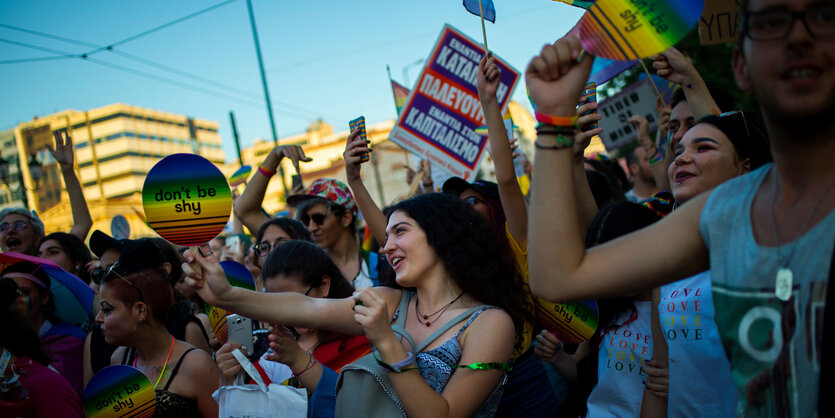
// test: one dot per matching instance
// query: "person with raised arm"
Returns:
(445, 259)
(766, 236)
(248, 205)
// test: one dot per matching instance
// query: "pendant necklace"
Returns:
(784, 280)
(439, 312)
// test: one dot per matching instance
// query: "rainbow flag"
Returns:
(486, 5)
(400, 95)
(583, 4)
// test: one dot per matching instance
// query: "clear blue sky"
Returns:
(324, 59)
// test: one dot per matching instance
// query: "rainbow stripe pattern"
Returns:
(119, 391)
(400, 95)
(577, 3)
(240, 176)
(572, 323)
(238, 275)
(633, 29)
(186, 199)
(589, 96)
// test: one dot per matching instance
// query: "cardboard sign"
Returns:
(119, 391)
(719, 22)
(187, 200)
(636, 99)
(442, 113)
(572, 323)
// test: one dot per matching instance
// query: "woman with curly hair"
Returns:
(442, 253)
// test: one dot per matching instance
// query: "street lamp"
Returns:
(35, 172)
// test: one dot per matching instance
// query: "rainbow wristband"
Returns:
(656, 158)
(265, 172)
(556, 120)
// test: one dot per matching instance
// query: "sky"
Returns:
(323, 59)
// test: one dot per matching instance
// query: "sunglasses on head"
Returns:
(744, 121)
(112, 270)
(318, 218)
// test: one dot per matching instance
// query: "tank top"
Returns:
(170, 404)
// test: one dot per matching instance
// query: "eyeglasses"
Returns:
(112, 269)
(263, 248)
(472, 200)
(98, 273)
(318, 218)
(771, 25)
(17, 225)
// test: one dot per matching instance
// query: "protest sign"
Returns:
(439, 119)
(187, 200)
(719, 22)
(635, 99)
(119, 391)
(572, 323)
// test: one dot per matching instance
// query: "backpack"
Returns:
(368, 391)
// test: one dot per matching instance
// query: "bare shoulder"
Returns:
(118, 355)
(490, 327)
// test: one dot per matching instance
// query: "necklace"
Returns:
(439, 312)
(164, 364)
(785, 277)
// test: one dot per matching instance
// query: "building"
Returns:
(126, 142)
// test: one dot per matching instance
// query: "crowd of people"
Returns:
(708, 252)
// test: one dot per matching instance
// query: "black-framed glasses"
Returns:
(472, 200)
(17, 225)
(262, 249)
(318, 218)
(98, 273)
(112, 270)
(772, 25)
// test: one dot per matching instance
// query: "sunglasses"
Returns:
(317, 218)
(472, 200)
(17, 225)
(744, 121)
(112, 270)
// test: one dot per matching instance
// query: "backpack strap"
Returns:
(399, 326)
(449, 324)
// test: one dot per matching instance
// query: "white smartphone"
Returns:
(233, 241)
(240, 331)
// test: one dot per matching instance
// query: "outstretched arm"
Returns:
(65, 157)
(513, 201)
(248, 205)
(561, 269)
(374, 217)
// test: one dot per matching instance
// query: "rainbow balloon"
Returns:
(572, 323)
(240, 176)
(633, 29)
(187, 200)
(119, 391)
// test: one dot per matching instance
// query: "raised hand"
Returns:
(555, 79)
(355, 148)
(62, 152)
(294, 152)
(206, 276)
(673, 66)
(487, 80)
(583, 137)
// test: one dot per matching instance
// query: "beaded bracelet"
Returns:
(563, 141)
(556, 120)
(266, 172)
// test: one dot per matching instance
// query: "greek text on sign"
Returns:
(442, 112)
(636, 99)
(719, 22)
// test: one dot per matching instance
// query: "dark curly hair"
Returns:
(75, 250)
(467, 247)
(310, 263)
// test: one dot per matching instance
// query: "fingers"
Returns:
(588, 107)
(637, 120)
(550, 56)
(588, 119)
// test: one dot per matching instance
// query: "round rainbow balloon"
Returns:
(630, 29)
(572, 323)
(119, 391)
(187, 200)
(240, 176)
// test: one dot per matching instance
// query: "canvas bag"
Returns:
(259, 400)
(364, 389)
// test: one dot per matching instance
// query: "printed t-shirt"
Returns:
(774, 346)
(700, 381)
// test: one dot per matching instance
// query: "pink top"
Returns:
(49, 391)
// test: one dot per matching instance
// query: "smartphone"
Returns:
(589, 96)
(240, 331)
(297, 182)
(359, 123)
(233, 241)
